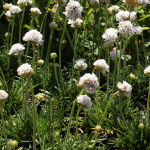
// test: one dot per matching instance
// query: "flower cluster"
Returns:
(89, 82)
(16, 49)
(80, 64)
(85, 101)
(124, 88)
(125, 15)
(3, 96)
(147, 71)
(73, 12)
(12, 11)
(25, 70)
(114, 54)
(113, 9)
(34, 37)
(101, 65)
(126, 28)
(35, 11)
(110, 36)
(24, 2)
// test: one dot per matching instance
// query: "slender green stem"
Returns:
(71, 115)
(108, 75)
(20, 26)
(137, 50)
(77, 117)
(145, 53)
(60, 49)
(3, 122)
(8, 38)
(147, 113)
(34, 115)
(2, 14)
(56, 76)
(12, 32)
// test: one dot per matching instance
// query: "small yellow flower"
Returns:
(141, 126)
(53, 55)
(12, 143)
(132, 76)
(40, 62)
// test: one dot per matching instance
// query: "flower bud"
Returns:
(6, 35)
(40, 62)
(7, 6)
(132, 76)
(53, 55)
(12, 143)
(141, 126)
(98, 128)
(53, 26)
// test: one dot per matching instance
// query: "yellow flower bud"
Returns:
(141, 126)
(12, 143)
(40, 62)
(53, 55)
(132, 76)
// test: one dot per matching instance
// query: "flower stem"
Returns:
(20, 27)
(137, 49)
(3, 122)
(34, 115)
(12, 32)
(147, 113)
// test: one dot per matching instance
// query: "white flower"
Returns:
(113, 9)
(114, 53)
(132, 16)
(124, 88)
(25, 70)
(125, 15)
(110, 35)
(9, 15)
(15, 9)
(84, 100)
(3, 96)
(80, 64)
(33, 36)
(73, 10)
(125, 28)
(24, 2)
(137, 30)
(144, 2)
(7, 6)
(35, 11)
(147, 71)
(101, 65)
(75, 23)
(16, 49)
(89, 82)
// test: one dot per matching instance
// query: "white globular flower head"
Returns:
(33, 36)
(85, 101)
(24, 2)
(16, 49)
(125, 28)
(15, 10)
(80, 64)
(9, 15)
(89, 82)
(124, 88)
(137, 30)
(125, 15)
(110, 35)
(7, 6)
(73, 10)
(113, 9)
(35, 11)
(25, 70)
(75, 23)
(147, 71)
(101, 65)
(144, 2)
(3, 96)
(114, 54)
